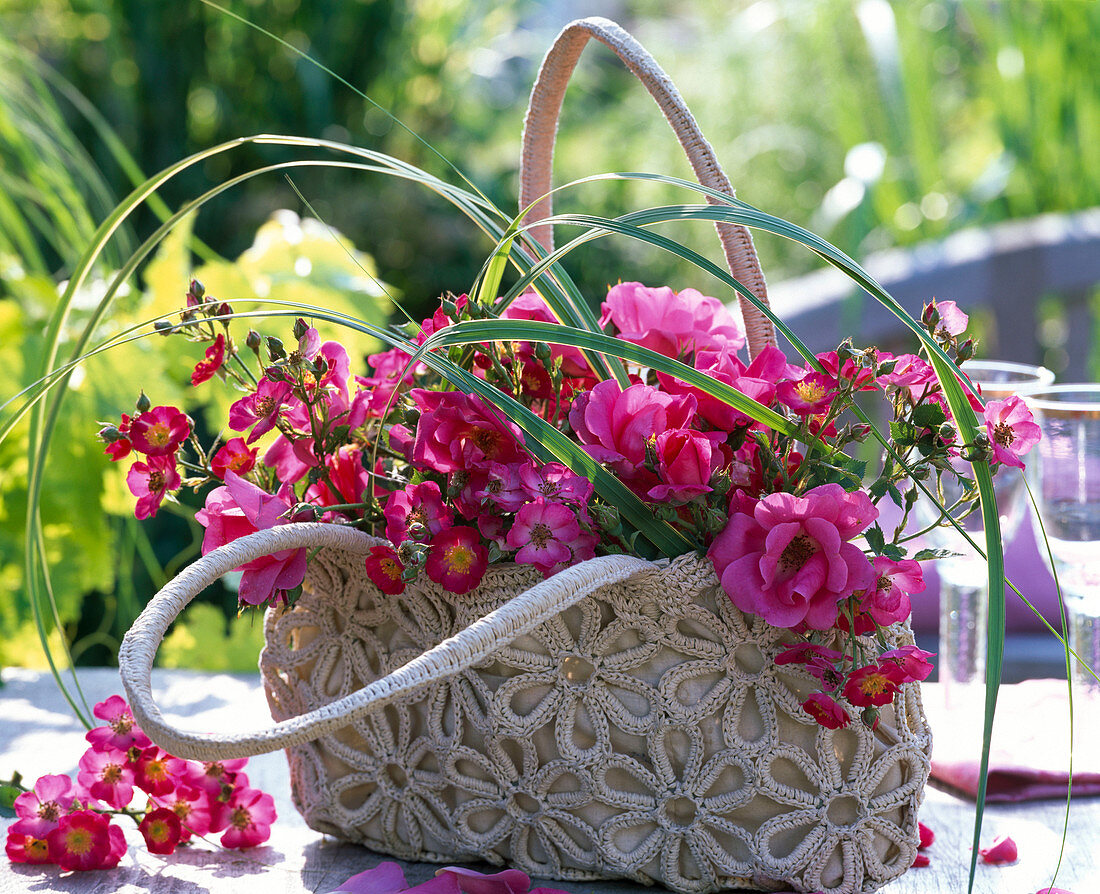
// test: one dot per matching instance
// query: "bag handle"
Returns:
(540, 128)
(477, 642)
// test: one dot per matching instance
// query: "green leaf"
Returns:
(929, 416)
(925, 555)
(8, 794)
(876, 540)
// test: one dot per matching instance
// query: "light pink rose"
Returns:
(671, 323)
(888, 601)
(788, 559)
(241, 508)
(1012, 430)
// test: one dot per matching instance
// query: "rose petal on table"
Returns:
(1003, 850)
(927, 836)
(385, 878)
(1053, 891)
(920, 861)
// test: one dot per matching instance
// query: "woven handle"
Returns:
(540, 128)
(474, 644)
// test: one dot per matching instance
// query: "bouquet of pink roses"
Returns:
(766, 477)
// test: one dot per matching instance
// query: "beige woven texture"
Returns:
(540, 130)
(622, 719)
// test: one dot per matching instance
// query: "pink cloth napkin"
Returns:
(1029, 755)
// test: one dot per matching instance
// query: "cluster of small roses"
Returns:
(69, 824)
(156, 433)
(867, 686)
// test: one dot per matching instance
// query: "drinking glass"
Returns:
(1065, 473)
(964, 588)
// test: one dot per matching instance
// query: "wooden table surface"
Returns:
(38, 735)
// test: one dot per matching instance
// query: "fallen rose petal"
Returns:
(920, 861)
(927, 836)
(1053, 891)
(1003, 850)
(385, 878)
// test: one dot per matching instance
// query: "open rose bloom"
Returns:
(548, 455)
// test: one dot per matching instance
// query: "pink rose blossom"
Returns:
(888, 601)
(84, 841)
(556, 483)
(952, 320)
(385, 569)
(291, 460)
(151, 481)
(241, 508)
(542, 532)
(1012, 430)
(817, 660)
(121, 732)
(420, 504)
(671, 323)
(863, 377)
(788, 559)
(458, 432)
(501, 486)
(1003, 850)
(26, 843)
(106, 776)
(159, 431)
(873, 685)
(457, 560)
(614, 425)
(825, 710)
(686, 460)
(233, 456)
(811, 393)
(156, 772)
(191, 807)
(259, 410)
(251, 813)
(161, 830)
(211, 363)
(42, 807)
(389, 878)
(912, 661)
(531, 306)
(347, 473)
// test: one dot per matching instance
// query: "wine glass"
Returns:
(964, 607)
(1064, 470)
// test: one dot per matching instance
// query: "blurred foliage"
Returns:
(872, 122)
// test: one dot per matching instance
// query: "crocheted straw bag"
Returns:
(620, 720)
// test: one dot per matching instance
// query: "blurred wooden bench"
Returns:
(1006, 268)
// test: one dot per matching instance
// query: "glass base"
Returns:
(963, 622)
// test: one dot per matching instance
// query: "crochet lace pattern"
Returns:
(643, 733)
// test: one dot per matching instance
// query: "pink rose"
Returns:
(825, 710)
(888, 601)
(788, 559)
(614, 425)
(241, 508)
(457, 432)
(686, 461)
(671, 323)
(531, 306)
(1012, 430)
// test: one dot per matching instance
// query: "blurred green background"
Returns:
(873, 123)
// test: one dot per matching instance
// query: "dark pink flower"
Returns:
(614, 424)
(82, 841)
(347, 474)
(912, 661)
(385, 569)
(233, 456)
(788, 559)
(211, 363)
(259, 410)
(159, 431)
(671, 323)
(556, 483)
(389, 878)
(541, 532)
(686, 460)
(818, 660)
(418, 504)
(291, 460)
(251, 813)
(826, 711)
(501, 485)
(121, 732)
(27, 843)
(873, 684)
(863, 377)
(241, 508)
(156, 772)
(457, 432)
(1012, 430)
(888, 601)
(810, 394)
(161, 830)
(1003, 850)
(151, 481)
(191, 807)
(106, 776)
(43, 806)
(457, 560)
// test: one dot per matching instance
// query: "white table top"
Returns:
(39, 734)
